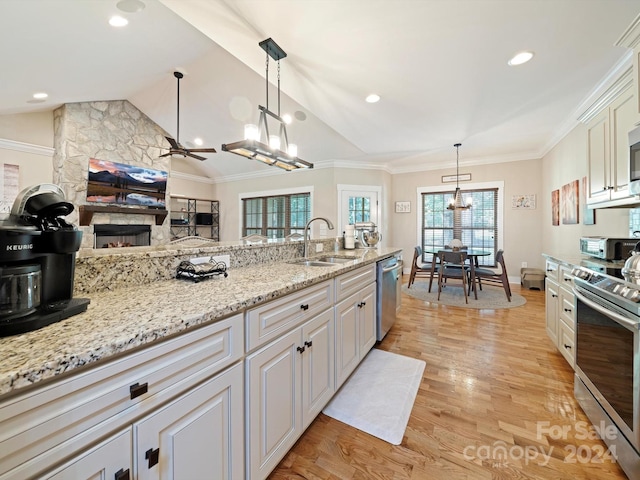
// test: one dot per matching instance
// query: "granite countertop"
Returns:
(120, 320)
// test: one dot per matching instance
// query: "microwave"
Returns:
(607, 248)
(634, 161)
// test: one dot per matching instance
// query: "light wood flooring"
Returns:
(493, 381)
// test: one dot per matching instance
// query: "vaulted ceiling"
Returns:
(440, 68)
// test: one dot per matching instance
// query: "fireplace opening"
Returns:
(112, 236)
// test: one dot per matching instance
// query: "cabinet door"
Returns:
(274, 413)
(622, 116)
(107, 460)
(347, 327)
(367, 319)
(552, 310)
(317, 366)
(198, 435)
(598, 158)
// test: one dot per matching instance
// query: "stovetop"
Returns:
(607, 283)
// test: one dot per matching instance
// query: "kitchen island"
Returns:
(189, 338)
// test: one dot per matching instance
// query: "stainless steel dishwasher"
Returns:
(388, 282)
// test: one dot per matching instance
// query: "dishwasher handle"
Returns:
(393, 267)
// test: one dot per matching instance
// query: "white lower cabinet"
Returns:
(355, 330)
(198, 435)
(289, 381)
(111, 459)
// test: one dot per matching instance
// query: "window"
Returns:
(359, 209)
(476, 227)
(276, 216)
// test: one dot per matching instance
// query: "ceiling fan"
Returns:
(176, 148)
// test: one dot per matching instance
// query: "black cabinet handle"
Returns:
(136, 389)
(362, 304)
(567, 279)
(308, 344)
(300, 349)
(305, 306)
(568, 347)
(153, 456)
(567, 310)
(122, 475)
(554, 295)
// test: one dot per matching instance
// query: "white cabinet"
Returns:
(608, 150)
(44, 426)
(355, 320)
(110, 459)
(289, 381)
(201, 431)
(560, 314)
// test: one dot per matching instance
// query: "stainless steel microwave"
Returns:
(634, 161)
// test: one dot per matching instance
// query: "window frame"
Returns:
(470, 187)
(264, 195)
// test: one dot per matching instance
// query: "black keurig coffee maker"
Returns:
(37, 261)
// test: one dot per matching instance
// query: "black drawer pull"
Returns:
(362, 304)
(300, 349)
(308, 344)
(554, 295)
(567, 279)
(122, 475)
(567, 310)
(153, 456)
(568, 347)
(136, 389)
(305, 306)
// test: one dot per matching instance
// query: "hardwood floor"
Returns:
(496, 402)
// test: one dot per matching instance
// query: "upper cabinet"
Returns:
(608, 149)
(630, 39)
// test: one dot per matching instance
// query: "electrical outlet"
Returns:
(319, 247)
(524, 264)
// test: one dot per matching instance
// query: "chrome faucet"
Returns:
(305, 252)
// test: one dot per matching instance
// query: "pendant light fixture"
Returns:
(261, 144)
(456, 202)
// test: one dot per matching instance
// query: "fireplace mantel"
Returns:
(86, 212)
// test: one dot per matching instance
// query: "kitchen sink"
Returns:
(321, 262)
(335, 259)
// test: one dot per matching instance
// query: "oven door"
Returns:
(607, 359)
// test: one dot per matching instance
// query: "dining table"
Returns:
(472, 254)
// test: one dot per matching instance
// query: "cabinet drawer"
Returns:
(271, 320)
(567, 314)
(565, 279)
(351, 282)
(566, 343)
(551, 270)
(40, 427)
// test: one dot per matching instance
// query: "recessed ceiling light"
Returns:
(40, 95)
(520, 58)
(117, 21)
(373, 98)
(287, 118)
(130, 6)
(198, 141)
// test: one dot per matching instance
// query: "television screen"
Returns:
(117, 183)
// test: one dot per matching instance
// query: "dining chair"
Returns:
(420, 268)
(455, 266)
(497, 278)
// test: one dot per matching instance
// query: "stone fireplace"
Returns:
(113, 236)
(112, 130)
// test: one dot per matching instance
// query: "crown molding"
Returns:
(630, 38)
(6, 144)
(192, 178)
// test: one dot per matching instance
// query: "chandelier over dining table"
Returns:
(456, 202)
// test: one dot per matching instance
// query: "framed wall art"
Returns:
(523, 201)
(555, 207)
(588, 214)
(403, 207)
(463, 177)
(570, 203)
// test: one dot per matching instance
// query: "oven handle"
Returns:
(613, 315)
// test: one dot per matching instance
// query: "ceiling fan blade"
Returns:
(203, 150)
(172, 142)
(192, 155)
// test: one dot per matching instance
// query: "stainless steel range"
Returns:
(607, 380)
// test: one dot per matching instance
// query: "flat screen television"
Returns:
(121, 184)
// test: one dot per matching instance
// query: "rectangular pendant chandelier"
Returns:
(278, 151)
